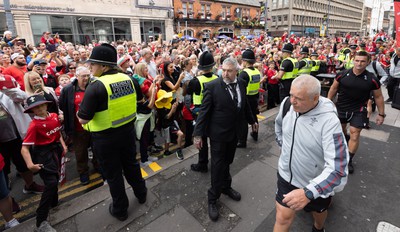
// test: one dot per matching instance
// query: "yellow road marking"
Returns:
(155, 167)
(144, 174)
(32, 201)
(75, 183)
(77, 190)
(260, 116)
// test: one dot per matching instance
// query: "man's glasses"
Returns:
(72, 68)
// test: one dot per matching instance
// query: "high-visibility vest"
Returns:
(254, 81)
(342, 56)
(197, 99)
(293, 73)
(315, 68)
(121, 103)
(306, 69)
(349, 62)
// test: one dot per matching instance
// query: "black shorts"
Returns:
(356, 119)
(317, 205)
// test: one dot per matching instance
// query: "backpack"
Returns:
(286, 107)
(376, 70)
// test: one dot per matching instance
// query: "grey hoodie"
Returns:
(314, 151)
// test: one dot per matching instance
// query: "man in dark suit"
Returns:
(223, 109)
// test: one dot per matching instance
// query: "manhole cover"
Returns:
(387, 227)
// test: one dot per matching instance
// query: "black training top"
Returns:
(354, 91)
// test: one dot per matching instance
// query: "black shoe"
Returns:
(122, 217)
(142, 199)
(233, 194)
(241, 145)
(351, 168)
(167, 153)
(84, 178)
(199, 168)
(179, 154)
(389, 100)
(213, 212)
(254, 135)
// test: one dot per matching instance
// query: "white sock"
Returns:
(13, 222)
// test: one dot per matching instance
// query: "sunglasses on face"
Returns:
(71, 68)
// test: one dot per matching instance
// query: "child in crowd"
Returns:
(63, 80)
(273, 86)
(44, 137)
(170, 128)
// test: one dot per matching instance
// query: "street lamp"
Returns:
(265, 3)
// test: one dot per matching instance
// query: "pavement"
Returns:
(177, 196)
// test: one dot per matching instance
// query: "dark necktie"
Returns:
(232, 87)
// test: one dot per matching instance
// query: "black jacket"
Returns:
(66, 102)
(219, 118)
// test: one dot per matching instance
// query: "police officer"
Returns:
(343, 51)
(316, 64)
(195, 88)
(108, 111)
(349, 61)
(287, 71)
(305, 63)
(252, 78)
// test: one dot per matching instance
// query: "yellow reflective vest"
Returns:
(197, 99)
(315, 68)
(349, 62)
(254, 81)
(293, 73)
(121, 104)
(342, 55)
(306, 69)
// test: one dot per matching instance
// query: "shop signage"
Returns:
(41, 8)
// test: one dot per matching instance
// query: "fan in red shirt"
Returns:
(45, 137)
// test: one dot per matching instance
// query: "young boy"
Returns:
(63, 80)
(43, 136)
(170, 128)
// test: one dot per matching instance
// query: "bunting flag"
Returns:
(397, 20)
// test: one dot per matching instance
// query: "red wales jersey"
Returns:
(43, 131)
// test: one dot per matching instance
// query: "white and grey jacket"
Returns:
(11, 100)
(314, 151)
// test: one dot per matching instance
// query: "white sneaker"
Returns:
(45, 227)
(152, 158)
(145, 164)
(13, 222)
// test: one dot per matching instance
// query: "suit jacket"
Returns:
(219, 117)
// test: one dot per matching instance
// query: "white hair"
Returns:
(120, 46)
(310, 83)
(231, 61)
(80, 69)
(7, 33)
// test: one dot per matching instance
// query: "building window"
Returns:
(205, 9)
(81, 30)
(226, 10)
(274, 4)
(188, 32)
(206, 34)
(285, 18)
(187, 9)
(150, 29)
(285, 3)
(3, 22)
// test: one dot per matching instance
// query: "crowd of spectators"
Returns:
(58, 70)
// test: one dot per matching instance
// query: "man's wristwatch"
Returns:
(308, 193)
(382, 115)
